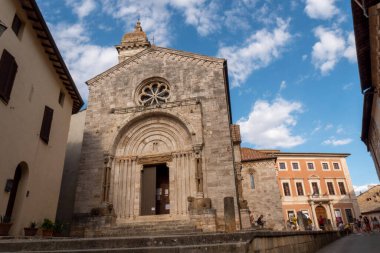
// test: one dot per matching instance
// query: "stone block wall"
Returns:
(265, 198)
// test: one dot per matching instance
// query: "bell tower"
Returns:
(133, 43)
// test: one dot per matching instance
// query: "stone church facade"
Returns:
(157, 143)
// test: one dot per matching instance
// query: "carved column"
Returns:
(198, 170)
(108, 159)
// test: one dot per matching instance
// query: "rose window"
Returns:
(154, 93)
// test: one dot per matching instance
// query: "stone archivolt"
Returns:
(150, 140)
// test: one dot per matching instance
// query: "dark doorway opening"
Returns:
(13, 193)
(155, 197)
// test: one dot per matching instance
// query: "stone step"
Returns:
(120, 243)
(145, 228)
(236, 247)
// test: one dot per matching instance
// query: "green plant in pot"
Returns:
(58, 229)
(47, 228)
(31, 230)
(5, 225)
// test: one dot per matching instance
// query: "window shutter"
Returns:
(16, 24)
(46, 124)
(8, 69)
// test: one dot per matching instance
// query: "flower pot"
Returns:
(57, 234)
(4, 228)
(30, 231)
(47, 232)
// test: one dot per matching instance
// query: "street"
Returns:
(361, 242)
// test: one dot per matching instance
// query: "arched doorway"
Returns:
(321, 213)
(15, 196)
(154, 168)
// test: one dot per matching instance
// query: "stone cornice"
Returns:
(180, 56)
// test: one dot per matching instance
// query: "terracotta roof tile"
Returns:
(249, 154)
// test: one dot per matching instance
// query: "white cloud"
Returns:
(362, 188)
(332, 141)
(82, 8)
(84, 60)
(282, 85)
(340, 130)
(350, 51)
(330, 48)
(321, 9)
(155, 15)
(304, 57)
(348, 86)
(269, 125)
(257, 51)
(329, 126)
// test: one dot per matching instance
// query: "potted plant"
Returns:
(47, 228)
(5, 225)
(31, 230)
(58, 228)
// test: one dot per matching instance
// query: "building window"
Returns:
(342, 188)
(299, 189)
(325, 166)
(338, 216)
(349, 216)
(330, 187)
(17, 25)
(310, 166)
(154, 92)
(61, 98)
(315, 188)
(291, 214)
(295, 166)
(286, 188)
(282, 166)
(46, 124)
(8, 69)
(336, 166)
(252, 180)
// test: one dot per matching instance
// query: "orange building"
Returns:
(316, 184)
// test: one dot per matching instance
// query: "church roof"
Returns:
(176, 55)
(249, 154)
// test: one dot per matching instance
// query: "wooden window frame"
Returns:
(46, 124)
(8, 70)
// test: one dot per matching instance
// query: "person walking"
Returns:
(367, 224)
(321, 222)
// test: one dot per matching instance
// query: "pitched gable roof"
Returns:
(249, 154)
(177, 55)
(43, 34)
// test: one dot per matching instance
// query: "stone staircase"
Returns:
(240, 242)
(199, 242)
(174, 227)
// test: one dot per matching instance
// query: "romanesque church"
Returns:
(159, 146)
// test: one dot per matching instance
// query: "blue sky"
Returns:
(292, 64)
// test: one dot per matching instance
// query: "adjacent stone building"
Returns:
(260, 188)
(369, 202)
(157, 144)
(37, 99)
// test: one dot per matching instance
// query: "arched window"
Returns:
(252, 181)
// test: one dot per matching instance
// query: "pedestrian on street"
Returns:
(367, 224)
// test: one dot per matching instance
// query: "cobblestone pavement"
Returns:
(355, 243)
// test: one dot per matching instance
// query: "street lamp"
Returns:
(3, 27)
